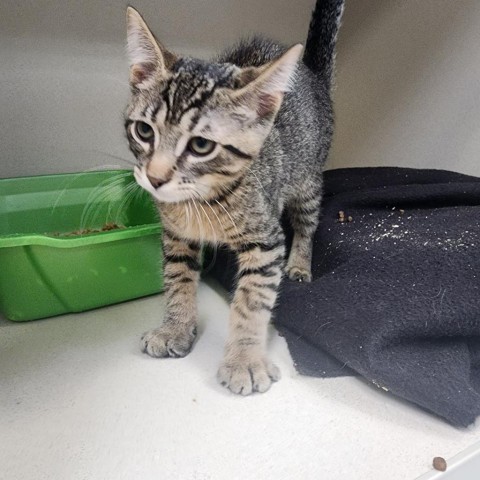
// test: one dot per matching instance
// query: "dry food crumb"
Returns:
(401, 211)
(341, 216)
(350, 218)
(110, 226)
(440, 464)
(105, 228)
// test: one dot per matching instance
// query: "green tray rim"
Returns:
(20, 240)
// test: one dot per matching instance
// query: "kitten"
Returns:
(224, 147)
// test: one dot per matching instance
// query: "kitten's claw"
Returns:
(299, 274)
(169, 341)
(246, 378)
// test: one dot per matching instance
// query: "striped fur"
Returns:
(266, 125)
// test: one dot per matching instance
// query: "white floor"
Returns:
(78, 400)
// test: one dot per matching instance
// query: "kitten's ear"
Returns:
(266, 85)
(147, 57)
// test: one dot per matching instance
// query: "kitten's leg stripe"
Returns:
(249, 291)
(305, 203)
(262, 271)
(175, 305)
(247, 342)
(268, 286)
(178, 278)
(237, 237)
(178, 244)
(191, 262)
(251, 261)
(254, 299)
(172, 276)
(255, 306)
(194, 246)
(177, 289)
(306, 222)
(171, 235)
(305, 211)
(186, 280)
(304, 215)
(240, 312)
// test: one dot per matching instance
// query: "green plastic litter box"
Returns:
(54, 256)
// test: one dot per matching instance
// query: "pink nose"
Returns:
(156, 182)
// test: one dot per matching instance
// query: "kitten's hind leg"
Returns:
(304, 213)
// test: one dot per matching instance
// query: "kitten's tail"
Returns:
(319, 53)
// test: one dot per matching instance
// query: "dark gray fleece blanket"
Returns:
(396, 292)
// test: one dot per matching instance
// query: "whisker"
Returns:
(189, 213)
(207, 268)
(107, 191)
(214, 234)
(229, 190)
(186, 216)
(253, 173)
(77, 176)
(111, 155)
(139, 192)
(104, 190)
(229, 216)
(200, 226)
(213, 211)
(130, 191)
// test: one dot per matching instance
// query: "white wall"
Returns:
(409, 85)
(408, 76)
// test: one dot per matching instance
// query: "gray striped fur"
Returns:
(272, 125)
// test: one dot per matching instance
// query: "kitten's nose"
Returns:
(156, 182)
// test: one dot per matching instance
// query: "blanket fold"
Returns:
(395, 295)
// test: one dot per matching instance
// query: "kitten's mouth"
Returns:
(155, 182)
(163, 191)
(150, 184)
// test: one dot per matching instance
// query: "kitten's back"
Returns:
(300, 139)
(252, 52)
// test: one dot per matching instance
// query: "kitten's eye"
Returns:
(201, 146)
(144, 131)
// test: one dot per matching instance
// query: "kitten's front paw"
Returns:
(169, 340)
(299, 274)
(246, 377)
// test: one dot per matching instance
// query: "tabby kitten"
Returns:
(224, 147)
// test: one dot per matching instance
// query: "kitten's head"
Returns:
(194, 127)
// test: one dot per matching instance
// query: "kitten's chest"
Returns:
(213, 223)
